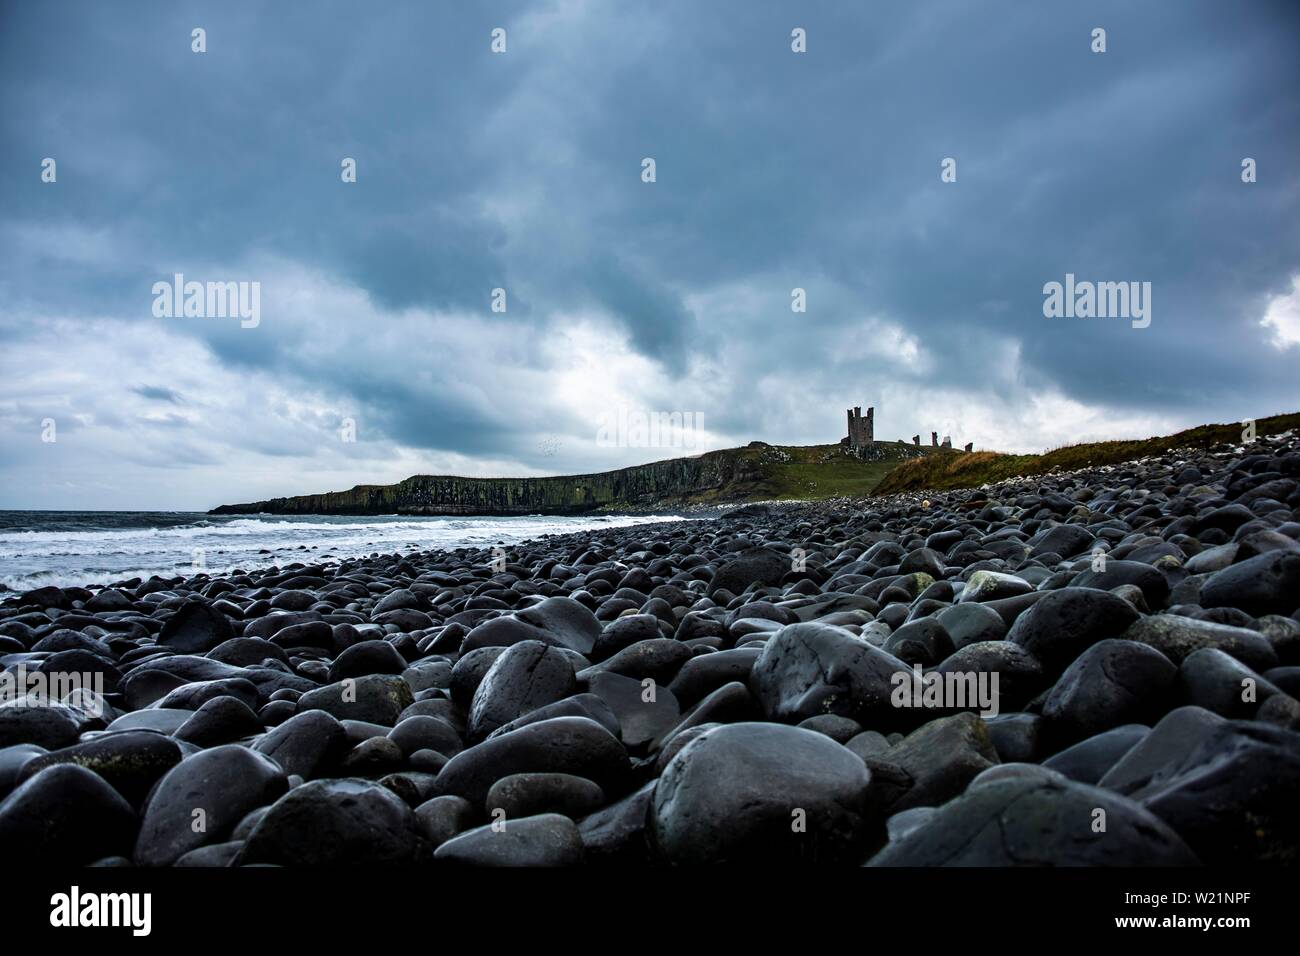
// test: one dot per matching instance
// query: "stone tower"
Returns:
(862, 430)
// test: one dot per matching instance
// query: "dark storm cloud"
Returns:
(774, 170)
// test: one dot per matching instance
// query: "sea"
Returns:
(67, 548)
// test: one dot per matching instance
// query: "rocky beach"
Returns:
(1095, 668)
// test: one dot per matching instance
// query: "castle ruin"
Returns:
(862, 431)
(861, 439)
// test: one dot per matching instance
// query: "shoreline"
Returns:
(106, 549)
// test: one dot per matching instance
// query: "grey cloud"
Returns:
(774, 171)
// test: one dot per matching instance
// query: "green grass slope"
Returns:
(948, 469)
(808, 473)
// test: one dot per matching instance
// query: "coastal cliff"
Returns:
(757, 471)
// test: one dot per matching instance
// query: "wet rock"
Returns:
(565, 621)
(749, 567)
(657, 660)
(367, 657)
(1031, 821)
(810, 669)
(624, 632)
(345, 822)
(131, 762)
(986, 586)
(1266, 584)
(548, 839)
(923, 642)
(1212, 679)
(579, 705)
(705, 673)
(1230, 792)
(426, 733)
(756, 791)
(972, 624)
(375, 698)
(618, 835)
(1112, 683)
(65, 815)
(644, 711)
(574, 745)
(194, 695)
(527, 676)
(1089, 760)
(48, 727)
(941, 758)
(305, 743)
(1019, 674)
(215, 854)
(1154, 585)
(442, 818)
(1176, 637)
(839, 729)
(1015, 737)
(1066, 622)
(219, 721)
(195, 628)
(201, 799)
(529, 794)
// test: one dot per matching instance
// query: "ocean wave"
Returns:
(63, 556)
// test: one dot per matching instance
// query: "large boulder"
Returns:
(305, 744)
(202, 798)
(1228, 787)
(762, 792)
(1036, 820)
(644, 713)
(131, 761)
(753, 566)
(65, 815)
(575, 745)
(375, 699)
(1268, 583)
(1176, 637)
(1066, 622)
(45, 726)
(1154, 585)
(565, 621)
(940, 759)
(810, 669)
(1112, 683)
(527, 676)
(344, 822)
(195, 628)
(547, 839)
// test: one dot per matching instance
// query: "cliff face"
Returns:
(720, 475)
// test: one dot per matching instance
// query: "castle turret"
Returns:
(861, 428)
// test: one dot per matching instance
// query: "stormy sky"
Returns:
(523, 171)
